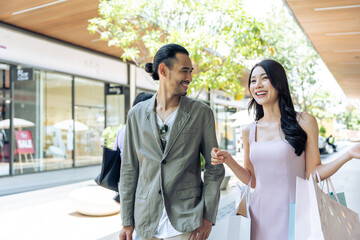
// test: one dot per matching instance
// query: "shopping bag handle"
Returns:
(328, 182)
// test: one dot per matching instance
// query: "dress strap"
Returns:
(298, 114)
(252, 133)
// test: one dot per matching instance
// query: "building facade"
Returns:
(58, 98)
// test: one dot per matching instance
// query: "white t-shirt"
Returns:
(165, 229)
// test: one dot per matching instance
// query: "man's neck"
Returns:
(166, 104)
(166, 101)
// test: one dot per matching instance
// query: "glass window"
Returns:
(4, 118)
(41, 107)
(117, 98)
(89, 121)
(89, 92)
(26, 150)
(225, 133)
(56, 115)
(4, 137)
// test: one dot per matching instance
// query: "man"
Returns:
(331, 141)
(162, 194)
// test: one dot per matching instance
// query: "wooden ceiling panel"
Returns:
(66, 21)
(9, 7)
(333, 26)
(335, 34)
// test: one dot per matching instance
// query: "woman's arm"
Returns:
(312, 155)
(242, 173)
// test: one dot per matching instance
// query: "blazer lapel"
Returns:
(179, 124)
(151, 116)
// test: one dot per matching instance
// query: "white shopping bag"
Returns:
(318, 216)
(239, 226)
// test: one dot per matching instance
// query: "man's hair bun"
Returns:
(149, 68)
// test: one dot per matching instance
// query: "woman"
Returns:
(279, 146)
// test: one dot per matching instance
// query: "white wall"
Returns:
(145, 81)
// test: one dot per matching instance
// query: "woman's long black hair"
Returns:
(294, 134)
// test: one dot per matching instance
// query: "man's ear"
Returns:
(163, 69)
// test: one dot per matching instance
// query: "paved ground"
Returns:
(35, 181)
(37, 206)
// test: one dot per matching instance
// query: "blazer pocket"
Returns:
(142, 193)
(189, 193)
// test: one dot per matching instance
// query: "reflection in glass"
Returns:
(55, 108)
(90, 112)
(88, 141)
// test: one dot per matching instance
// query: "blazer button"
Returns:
(163, 162)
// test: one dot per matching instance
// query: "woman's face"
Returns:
(260, 87)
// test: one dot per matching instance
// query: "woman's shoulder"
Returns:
(307, 121)
(246, 131)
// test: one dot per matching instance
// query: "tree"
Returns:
(289, 46)
(218, 35)
(351, 117)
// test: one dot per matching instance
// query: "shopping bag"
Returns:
(302, 223)
(239, 226)
(326, 218)
(110, 169)
(303, 211)
(292, 221)
(341, 197)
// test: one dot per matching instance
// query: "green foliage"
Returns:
(109, 135)
(351, 117)
(202, 160)
(218, 35)
(289, 46)
(322, 131)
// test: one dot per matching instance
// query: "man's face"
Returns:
(180, 76)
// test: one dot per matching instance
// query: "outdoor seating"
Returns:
(94, 201)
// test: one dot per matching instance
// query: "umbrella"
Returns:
(17, 122)
(68, 124)
(241, 118)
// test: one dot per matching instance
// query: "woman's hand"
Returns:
(219, 157)
(354, 151)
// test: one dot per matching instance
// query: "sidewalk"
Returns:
(47, 213)
(36, 181)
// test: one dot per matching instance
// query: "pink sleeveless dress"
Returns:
(276, 166)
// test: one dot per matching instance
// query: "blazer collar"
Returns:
(181, 119)
(151, 116)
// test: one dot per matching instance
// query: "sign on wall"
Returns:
(23, 74)
(24, 142)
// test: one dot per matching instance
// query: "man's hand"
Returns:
(126, 233)
(203, 232)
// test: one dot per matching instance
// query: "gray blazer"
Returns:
(151, 178)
